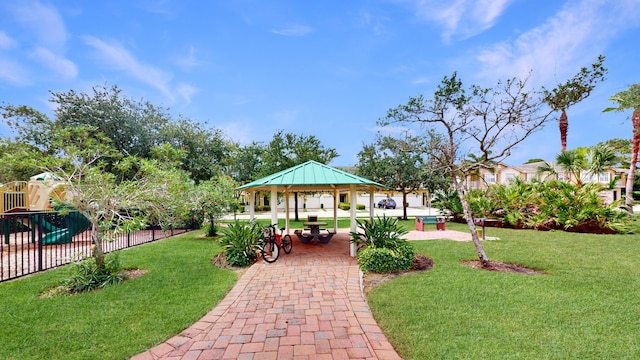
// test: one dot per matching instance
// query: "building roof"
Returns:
(311, 176)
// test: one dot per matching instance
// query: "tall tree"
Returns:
(286, 150)
(133, 126)
(208, 152)
(246, 162)
(395, 163)
(573, 91)
(486, 122)
(630, 99)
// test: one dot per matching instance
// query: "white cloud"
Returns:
(189, 60)
(571, 39)
(6, 41)
(58, 64)
(460, 18)
(13, 72)
(46, 24)
(44, 21)
(294, 30)
(116, 56)
(186, 91)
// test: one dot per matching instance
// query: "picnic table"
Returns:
(314, 233)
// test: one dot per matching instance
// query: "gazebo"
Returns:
(312, 176)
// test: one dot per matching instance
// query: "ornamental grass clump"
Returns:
(382, 248)
(241, 243)
(86, 275)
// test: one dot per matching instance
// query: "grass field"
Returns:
(586, 306)
(117, 322)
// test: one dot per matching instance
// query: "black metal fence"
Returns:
(37, 241)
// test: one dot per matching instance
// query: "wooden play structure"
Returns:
(25, 202)
(34, 195)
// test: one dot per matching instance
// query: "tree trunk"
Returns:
(404, 204)
(295, 205)
(635, 148)
(468, 216)
(563, 124)
(97, 251)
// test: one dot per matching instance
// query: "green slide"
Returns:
(75, 223)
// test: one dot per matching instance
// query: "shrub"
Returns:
(344, 206)
(360, 207)
(241, 242)
(380, 233)
(384, 260)
(85, 275)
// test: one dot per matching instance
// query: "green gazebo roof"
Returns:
(311, 176)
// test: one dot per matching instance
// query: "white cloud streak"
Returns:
(6, 41)
(46, 24)
(60, 65)
(116, 56)
(294, 31)
(571, 39)
(460, 18)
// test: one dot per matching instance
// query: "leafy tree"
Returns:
(395, 163)
(573, 91)
(214, 198)
(630, 99)
(17, 161)
(208, 152)
(132, 126)
(246, 162)
(31, 126)
(485, 122)
(534, 160)
(110, 204)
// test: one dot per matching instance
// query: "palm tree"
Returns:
(572, 92)
(583, 161)
(630, 99)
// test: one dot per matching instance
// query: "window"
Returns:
(509, 177)
(604, 177)
(490, 178)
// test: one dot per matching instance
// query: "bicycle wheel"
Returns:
(270, 251)
(287, 243)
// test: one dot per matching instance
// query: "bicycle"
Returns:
(273, 242)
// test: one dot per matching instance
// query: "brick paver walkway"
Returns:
(307, 305)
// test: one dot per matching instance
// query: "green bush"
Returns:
(360, 207)
(263, 208)
(241, 242)
(85, 275)
(383, 232)
(344, 206)
(384, 260)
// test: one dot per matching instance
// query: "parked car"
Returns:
(387, 204)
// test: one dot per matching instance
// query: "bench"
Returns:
(439, 221)
(321, 236)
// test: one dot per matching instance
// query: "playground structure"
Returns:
(36, 196)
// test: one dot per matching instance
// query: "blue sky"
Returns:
(324, 68)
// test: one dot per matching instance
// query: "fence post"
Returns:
(39, 220)
(6, 229)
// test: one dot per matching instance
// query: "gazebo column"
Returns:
(286, 205)
(274, 204)
(252, 205)
(371, 212)
(336, 200)
(353, 197)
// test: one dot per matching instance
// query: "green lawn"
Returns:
(586, 306)
(181, 285)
